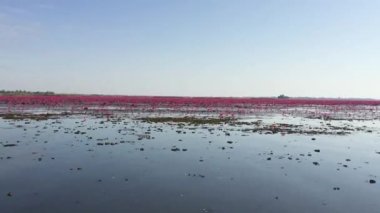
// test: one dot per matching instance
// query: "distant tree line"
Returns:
(282, 96)
(24, 92)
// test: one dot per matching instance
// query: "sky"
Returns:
(313, 48)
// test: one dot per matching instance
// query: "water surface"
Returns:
(87, 164)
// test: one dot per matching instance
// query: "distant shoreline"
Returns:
(17, 93)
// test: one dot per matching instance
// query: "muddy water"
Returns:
(77, 164)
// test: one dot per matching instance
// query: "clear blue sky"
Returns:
(328, 48)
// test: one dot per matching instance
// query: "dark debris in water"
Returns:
(195, 175)
(190, 120)
(9, 145)
(28, 116)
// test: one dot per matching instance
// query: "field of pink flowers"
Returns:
(223, 106)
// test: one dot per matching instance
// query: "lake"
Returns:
(82, 163)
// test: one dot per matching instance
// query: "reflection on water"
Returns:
(76, 164)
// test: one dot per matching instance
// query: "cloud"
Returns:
(45, 6)
(12, 31)
(12, 10)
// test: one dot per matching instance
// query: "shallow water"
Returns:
(78, 164)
